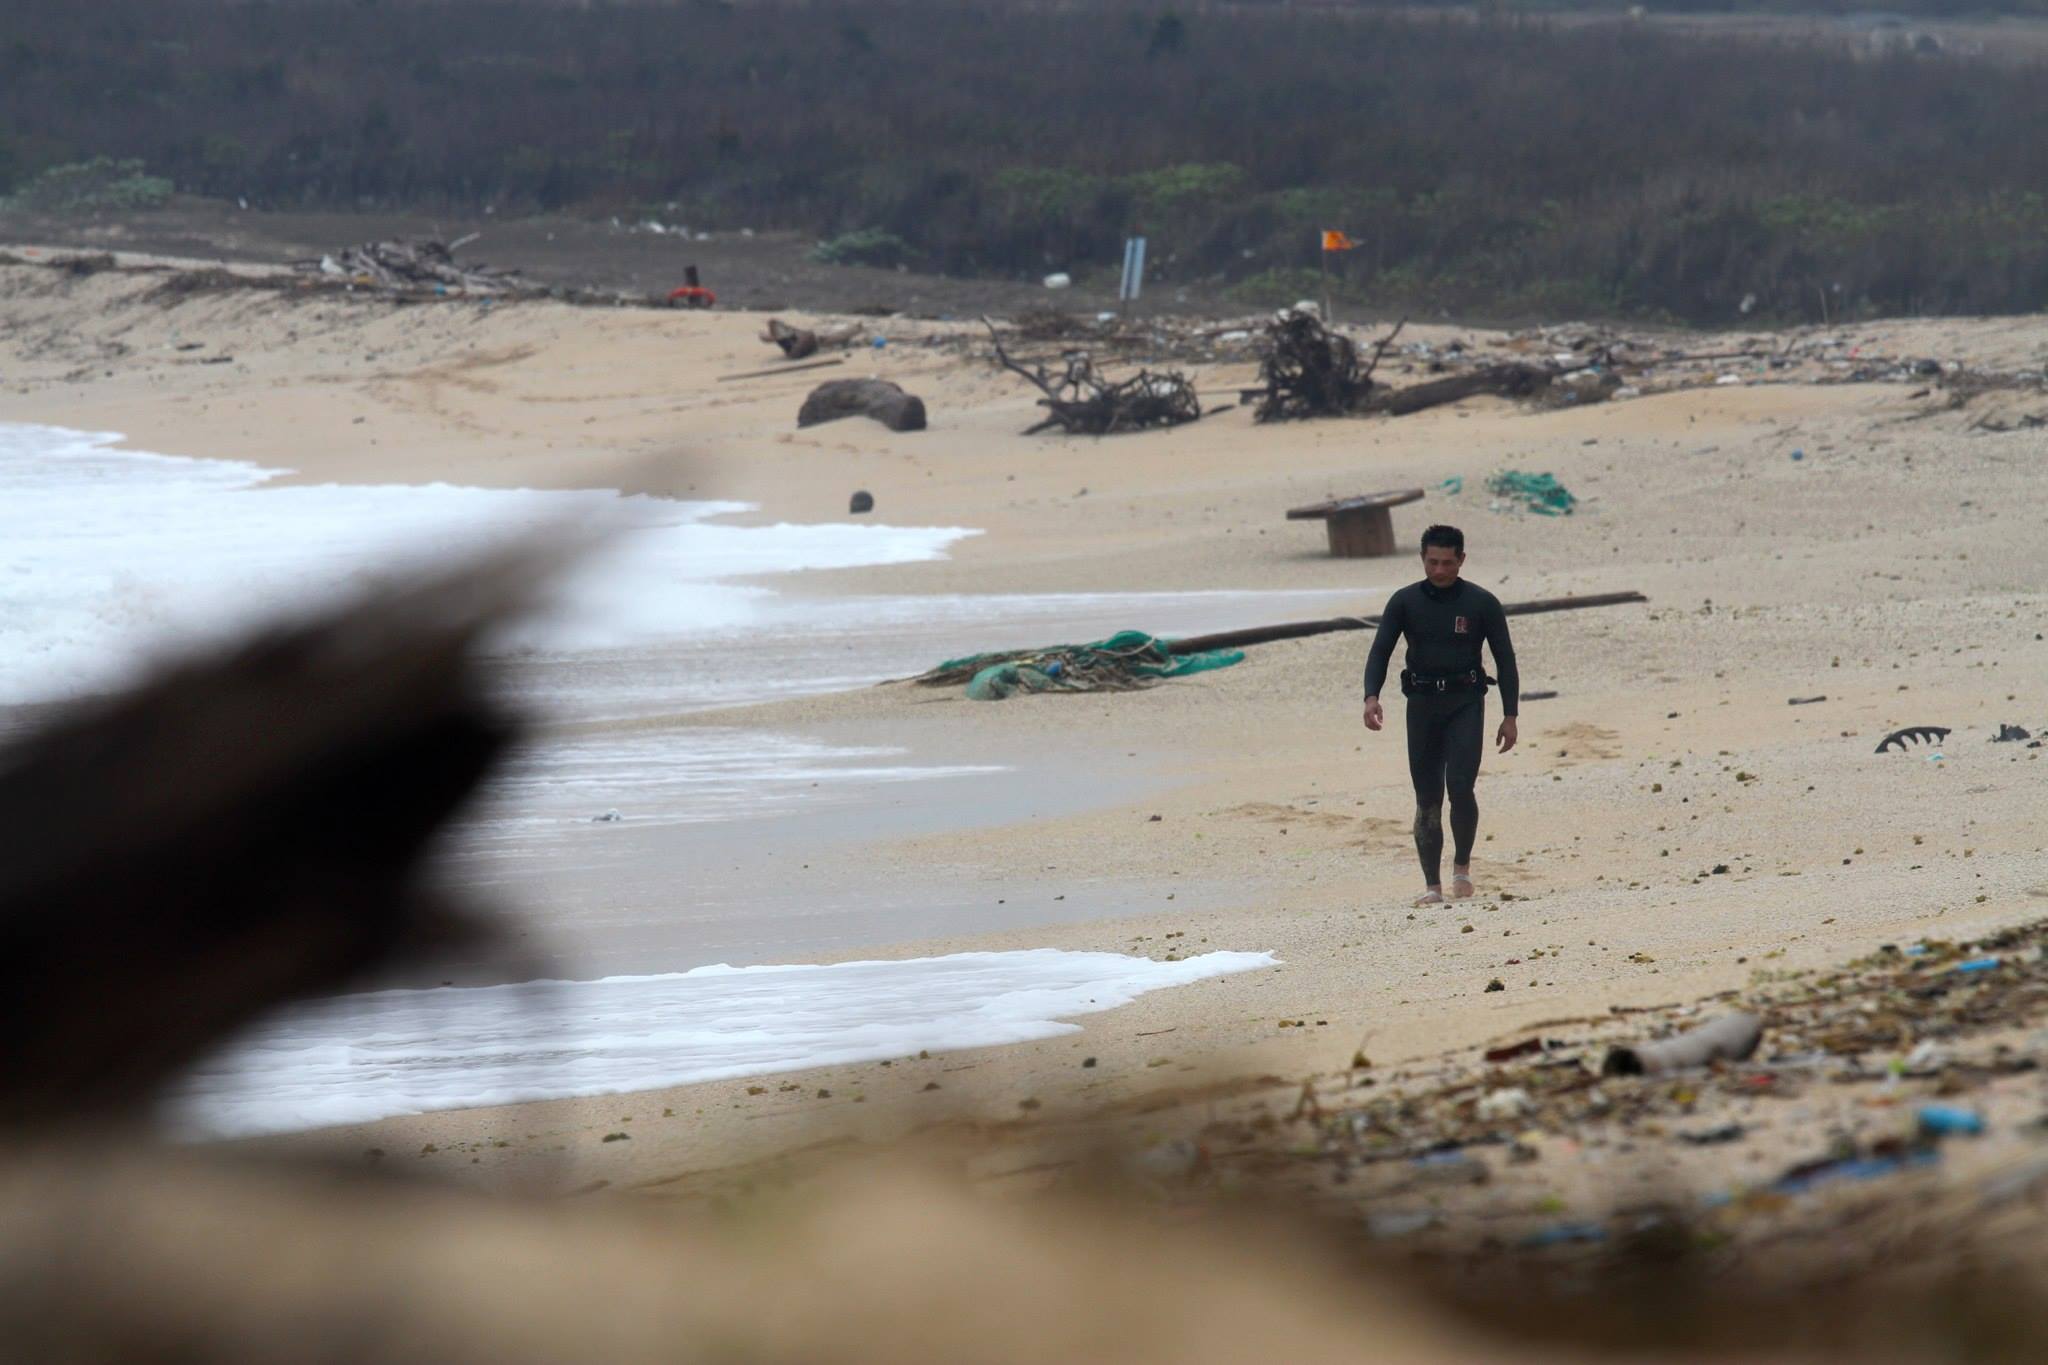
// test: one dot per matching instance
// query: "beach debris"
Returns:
(2007, 734)
(1948, 1120)
(1081, 667)
(1730, 1037)
(1539, 696)
(1308, 370)
(1495, 984)
(1805, 701)
(1563, 1234)
(404, 265)
(881, 399)
(1538, 493)
(1528, 1047)
(1124, 662)
(1499, 1106)
(783, 369)
(1295, 630)
(610, 817)
(1929, 734)
(1081, 402)
(861, 501)
(797, 343)
(1389, 1223)
(1710, 1137)
(1882, 1161)
(1359, 527)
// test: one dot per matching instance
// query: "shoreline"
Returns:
(1903, 546)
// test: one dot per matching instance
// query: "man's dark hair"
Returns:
(1449, 537)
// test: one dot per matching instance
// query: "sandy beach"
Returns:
(1668, 828)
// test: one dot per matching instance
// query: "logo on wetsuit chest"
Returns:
(1459, 627)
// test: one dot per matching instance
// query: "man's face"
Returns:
(1441, 564)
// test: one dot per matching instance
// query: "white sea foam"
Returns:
(108, 557)
(365, 1057)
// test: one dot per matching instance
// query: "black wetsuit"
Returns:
(1444, 628)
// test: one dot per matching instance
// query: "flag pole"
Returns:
(1323, 260)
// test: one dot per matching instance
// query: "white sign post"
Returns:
(1128, 288)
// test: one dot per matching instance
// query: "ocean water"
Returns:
(112, 559)
(365, 1057)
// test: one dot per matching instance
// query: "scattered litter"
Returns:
(1058, 280)
(1709, 1137)
(1981, 964)
(1528, 1047)
(1804, 701)
(1730, 1037)
(405, 266)
(1828, 1170)
(610, 817)
(1948, 1120)
(861, 501)
(1504, 1104)
(1562, 1234)
(1929, 734)
(1539, 696)
(1452, 486)
(2008, 733)
(1388, 1224)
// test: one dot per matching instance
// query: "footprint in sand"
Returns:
(1580, 741)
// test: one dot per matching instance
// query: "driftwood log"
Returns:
(1295, 630)
(796, 342)
(887, 403)
(1307, 370)
(1082, 402)
(1510, 380)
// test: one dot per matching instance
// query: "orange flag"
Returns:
(1336, 241)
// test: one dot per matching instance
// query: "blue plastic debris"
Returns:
(1978, 964)
(1947, 1120)
(1798, 454)
(1560, 1234)
(1800, 1179)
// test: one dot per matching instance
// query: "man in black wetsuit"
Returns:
(1444, 619)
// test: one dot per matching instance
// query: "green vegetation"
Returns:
(101, 185)
(1494, 162)
(868, 246)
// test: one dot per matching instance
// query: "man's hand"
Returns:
(1507, 736)
(1374, 717)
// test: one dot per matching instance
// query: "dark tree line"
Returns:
(1503, 163)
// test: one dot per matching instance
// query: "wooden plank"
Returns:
(781, 369)
(1295, 630)
(1393, 498)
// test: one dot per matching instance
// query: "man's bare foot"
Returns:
(1461, 886)
(1433, 896)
